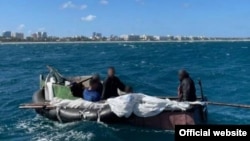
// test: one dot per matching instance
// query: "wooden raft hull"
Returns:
(165, 120)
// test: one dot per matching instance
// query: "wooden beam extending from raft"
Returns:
(36, 106)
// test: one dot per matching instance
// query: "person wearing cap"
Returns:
(186, 89)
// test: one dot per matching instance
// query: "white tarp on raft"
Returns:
(123, 106)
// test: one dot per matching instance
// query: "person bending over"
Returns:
(186, 89)
(91, 93)
(100, 85)
(111, 84)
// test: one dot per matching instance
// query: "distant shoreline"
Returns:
(96, 42)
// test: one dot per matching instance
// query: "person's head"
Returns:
(182, 74)
(93, 84)
(96, 77)
(128, 89)
(111, 71)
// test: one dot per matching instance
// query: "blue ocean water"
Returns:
(150, 68)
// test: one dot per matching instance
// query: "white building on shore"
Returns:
(145, 37)
(131, 37)
(96, 36)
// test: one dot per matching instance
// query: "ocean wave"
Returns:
(244, 47)
(132, 46)
(66, 136)
(26, 59)
(46, 130)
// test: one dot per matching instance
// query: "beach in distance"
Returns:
(103, 42)
(149, 67)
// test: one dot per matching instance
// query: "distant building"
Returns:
(7, 34)
(196, 38)
(131, 37)
(96, 36)
(157, 38)
(18, 35)
(29, 38)
(39, 35)
(185, 38)
(147, 38)
(164, 38)
(34, 36)
(177, 38)
(44, 35)
(113, 38)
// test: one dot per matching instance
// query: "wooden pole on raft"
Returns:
(228, 104)
(201, 89)
(36, 106)
(85, 80)
(219, 103)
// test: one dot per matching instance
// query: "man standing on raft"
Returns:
(186, 89)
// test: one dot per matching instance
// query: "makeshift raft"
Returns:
(132, 109)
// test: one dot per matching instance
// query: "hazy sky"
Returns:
(157, 17)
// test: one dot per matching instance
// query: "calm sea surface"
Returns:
(150, 68)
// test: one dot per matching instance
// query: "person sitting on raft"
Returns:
(111, 85)
(100, 86)
(186, 89)
(91, 93)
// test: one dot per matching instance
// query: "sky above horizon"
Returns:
(228, 18)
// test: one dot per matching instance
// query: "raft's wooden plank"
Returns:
(36, 107)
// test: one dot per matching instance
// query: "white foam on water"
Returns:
(46, 130)
(125, 45)
(31, 126)
(135, 129)
(64, 125)
(132, 46)
(103, 52)
(67, 136)
(206, 57)
(42, 139)
(26, 59)
(39, 123)
(107, 126)
(1, 129)
(143, 62)
(244, 47)
(25, 125)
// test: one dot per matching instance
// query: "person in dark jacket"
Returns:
(99, 88)
(186, 89)
(111, 84)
